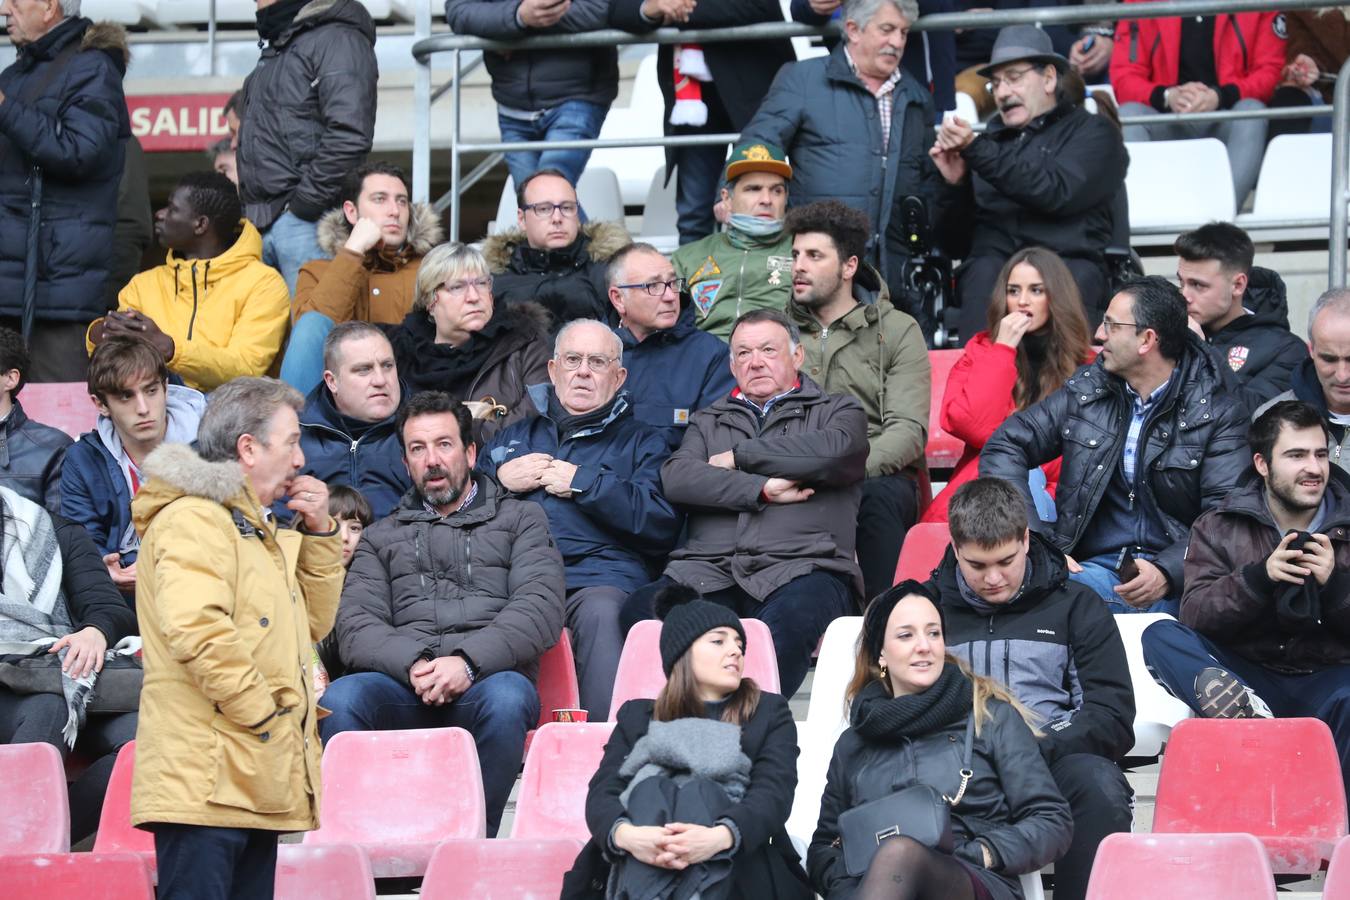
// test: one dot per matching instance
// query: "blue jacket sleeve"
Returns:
(78, 503)
(633, 505)
(80, 134)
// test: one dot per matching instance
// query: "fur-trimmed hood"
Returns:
(603, 240)
(109, 37)
(424, 231)
(174, 471)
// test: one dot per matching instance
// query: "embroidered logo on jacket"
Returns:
(1237, 357)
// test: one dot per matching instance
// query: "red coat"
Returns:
(1248, 53)
(978, 397)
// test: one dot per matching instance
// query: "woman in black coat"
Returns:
(910, 707)
(712, 756)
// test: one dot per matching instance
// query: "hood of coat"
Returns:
(424, 232)
(246, 249)
(1266, 298)
(174, 471)
(602, 241)
(111, 38)
(322, 12)
(1049, 572)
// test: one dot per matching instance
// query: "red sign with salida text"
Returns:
(177, 122)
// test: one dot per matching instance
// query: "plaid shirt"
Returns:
(885, 99)
(1139, 413)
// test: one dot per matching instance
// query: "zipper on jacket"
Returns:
(193, 319)
(740, 284)
(468, 556)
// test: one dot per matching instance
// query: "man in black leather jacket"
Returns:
(1152, 434)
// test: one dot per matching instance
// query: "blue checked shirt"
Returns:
(1140, 408)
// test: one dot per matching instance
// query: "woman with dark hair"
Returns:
(918, 717)
(1037, 336)
(694, 789)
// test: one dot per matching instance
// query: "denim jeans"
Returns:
(302, 367)
(199, 862)
(497, 710)
(1099, 573)
(290, 242)
(698, 171)
(1245, 139)
(570, 120)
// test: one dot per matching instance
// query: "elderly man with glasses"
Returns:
(551, 258)
(595, 470)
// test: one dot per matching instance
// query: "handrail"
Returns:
(1340, 173)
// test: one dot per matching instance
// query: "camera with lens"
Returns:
(921, 275)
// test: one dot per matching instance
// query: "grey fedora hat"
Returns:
(1022, 42)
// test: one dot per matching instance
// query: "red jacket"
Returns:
(1248, 53)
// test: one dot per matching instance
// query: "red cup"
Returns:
(570, 715)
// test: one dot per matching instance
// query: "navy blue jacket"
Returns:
(617, 518)
(675, 373)
(372, 463)
(94, 492)
(76, 130)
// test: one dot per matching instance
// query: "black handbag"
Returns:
(920, 812)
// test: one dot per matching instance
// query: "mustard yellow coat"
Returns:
(228, 731)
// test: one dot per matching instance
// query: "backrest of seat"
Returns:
(1180, 867)
(323, 872)
(923, 549)
(36, 816)
(557, 680)
(1295, 178)
(599, 194)
(105, 876)
(499, 868)
(506, 210)
(942, 451)
(115, 831)
(1156, 711)
(63, 405)
(658, 213)
(551, 802)
(1179, 184)
(834, 668)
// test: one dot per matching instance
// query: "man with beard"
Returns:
(449, 603)
(1266, 610)
(857, 343)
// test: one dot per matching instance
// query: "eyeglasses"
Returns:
(458, 290)
(594, 361)
(657, 288)
(1109, 325)
(545, 210)
(1010, 78)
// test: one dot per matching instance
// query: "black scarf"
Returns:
(878, 716)
(569, 424)
(273, 20)
(427, 365)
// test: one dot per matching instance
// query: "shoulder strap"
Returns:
(966, 771)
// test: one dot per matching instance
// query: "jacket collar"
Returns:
(837, 69)
(321, 412)
(1249, 499)
(412, 507)
(1046, 565)
(683, 327)
(539, 395)
(53, 42)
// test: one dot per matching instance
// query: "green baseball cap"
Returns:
(757, 156)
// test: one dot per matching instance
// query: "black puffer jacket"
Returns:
(1194, 449)
(569, 283)
(1258, 346)
(309, 112)
(30, 458)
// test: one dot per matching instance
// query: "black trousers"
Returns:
(198, 862)
(56, 350)
(1101, 802)
(889, 508)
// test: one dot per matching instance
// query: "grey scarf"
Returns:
(689, 748)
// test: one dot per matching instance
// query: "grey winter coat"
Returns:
(485, 582)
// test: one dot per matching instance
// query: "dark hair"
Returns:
(538, 173)
(347, 331)
(768, 314)
(679, 697)
(986, 512)
(615, 267)
(846, 227)
(346, 502)
(873, 633)
(13, 355)
(1157, 303)
(355, 181)
(117, 360)
(235, 104)
(430, 403)
(214, 196)
(214, 151)
(1045, 361)
(1222, 241)
(1265, 430)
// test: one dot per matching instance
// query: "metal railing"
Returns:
(427, 46)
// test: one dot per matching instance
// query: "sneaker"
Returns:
(1221, 696)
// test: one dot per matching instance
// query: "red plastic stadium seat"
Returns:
(397, 794)
(36, 817)
(1181, 867)
(552, 798)
(557, 682)
(943, 450)
(501, 869)
(1278, 779)
(323, 872)
(922, 551)
(640, 672)
(116, 834)
(63, 405)
(1337, 885)
(75, 876)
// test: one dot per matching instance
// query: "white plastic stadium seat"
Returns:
(505, 219)
(1155, 710)
(1295, 180)
(659, 218)
(598, 191)
(1180, 184)
(834, 668)
(640, 118)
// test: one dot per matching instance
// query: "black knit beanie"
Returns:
(686, 617)
(879, 611)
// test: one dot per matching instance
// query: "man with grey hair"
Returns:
(595, 470)
(1323, 382)
(854, 125)
(229, 608)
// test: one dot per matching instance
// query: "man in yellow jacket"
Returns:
(214, 309)
(230, 606)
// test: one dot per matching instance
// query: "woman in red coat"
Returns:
(1037, 337)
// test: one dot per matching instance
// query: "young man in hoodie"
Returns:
(214, 310)
(138, 411)
(1013, 614)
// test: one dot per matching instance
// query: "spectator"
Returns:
(214, 310)
(1150, 434)
(222, 156)
(377, 241)
(1264, 616)
(63, 132)
(1316, 46)
(771, 518)
(347, 426)
(1012, 614)
(703, 774)
(747, 266)
(457, 340)
(596, 471)
(352, 512)
(1239, 309)
(857, 343)
(544, 95)
(466, 654)
(30, 465)
(1045, 174)
(1197, 64)
(1037, 337)
(234, 106)
(708, 89)
(912, 706)
(227, 753)
(551, 259)
(307, 117)
(674, 368)
(854, 127)
(138, 410)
